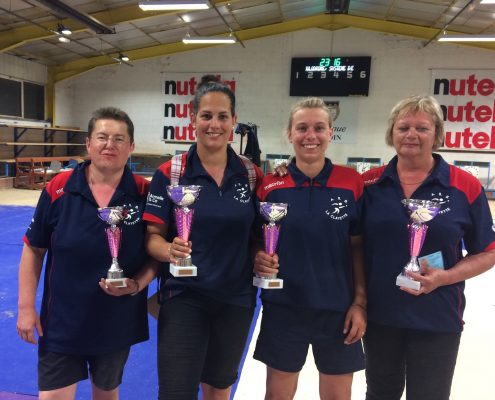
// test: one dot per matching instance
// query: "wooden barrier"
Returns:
(36, 172)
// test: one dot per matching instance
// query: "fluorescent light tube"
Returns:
(467, 38)
(208, 39)
(173, 5)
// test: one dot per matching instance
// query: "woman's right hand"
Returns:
(281, 169)
(265, 265)
(28, 321)
(179, 249)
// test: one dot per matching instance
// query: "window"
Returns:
(22, 99)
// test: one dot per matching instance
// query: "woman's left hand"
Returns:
(430, 279)
(131, 288)
(355, 323)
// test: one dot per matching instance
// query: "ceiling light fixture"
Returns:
(466, 38)
(123, 57)
(487, 2)
(63, 30)
(85, 19)
(173, 5)
(63, 39)
(209, 39)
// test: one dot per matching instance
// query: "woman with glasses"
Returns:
(86, 325)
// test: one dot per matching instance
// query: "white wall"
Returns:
(400, 67)
(18, 68)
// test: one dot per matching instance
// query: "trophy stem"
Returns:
(412, 265)
(184, 262)
(115, 267)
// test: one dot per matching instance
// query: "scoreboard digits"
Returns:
(330, 76)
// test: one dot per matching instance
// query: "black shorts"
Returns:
(56, 370)
(200, 339)
(286, 333)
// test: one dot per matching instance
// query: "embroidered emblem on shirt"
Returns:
(337, 208)
(443, 199)
(242, 192)
(132, 216)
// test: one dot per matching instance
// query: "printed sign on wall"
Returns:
(179, 89)
(344, 119)
(467, 99)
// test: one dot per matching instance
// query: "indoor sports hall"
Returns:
(60, 60)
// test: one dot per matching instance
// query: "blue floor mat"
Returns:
(18, 359)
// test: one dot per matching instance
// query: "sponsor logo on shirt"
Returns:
(270, 185)
(242, 193)
(443, 200)
(133, 216)
(154, 199)
(337, 208)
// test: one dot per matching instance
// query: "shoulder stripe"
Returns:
(465, 182)
(55, 188)
(271, 182)
(142, 184)
(371, 176)
(166, 168)
(152, 218)
(346, 178)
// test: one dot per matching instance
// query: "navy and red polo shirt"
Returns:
(463, 219)
(220, 232)
(314, 244)
(76, 315)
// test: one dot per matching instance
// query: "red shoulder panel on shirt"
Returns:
(465, 182)
(165, 168)
(346, 178)
(55, 188)
(373, 175)
(142, 185)
(271, 182)
(259, 176)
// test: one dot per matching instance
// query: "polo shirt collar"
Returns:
(440, 173)
(77, 183)
(299, 178)
(194, 168)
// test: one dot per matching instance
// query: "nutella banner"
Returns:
(178, 89)
(467, 98)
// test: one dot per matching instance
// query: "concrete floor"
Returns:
(473, 378)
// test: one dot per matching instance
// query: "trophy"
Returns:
(421, 212)
(183, 196)
(113, 216)
(272, 212)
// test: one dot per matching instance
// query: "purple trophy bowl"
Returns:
(183, 196)
(113, 216)
(421, 211)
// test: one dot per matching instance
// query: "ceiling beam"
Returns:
(13, 38)
(325, 21)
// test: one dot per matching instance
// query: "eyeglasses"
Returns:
(116, 140)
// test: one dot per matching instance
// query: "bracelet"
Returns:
(137, 288)
(360, 306)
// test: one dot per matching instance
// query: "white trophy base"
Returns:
(180, 271)
(116, 282)
(409, 283)
(268, 283)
